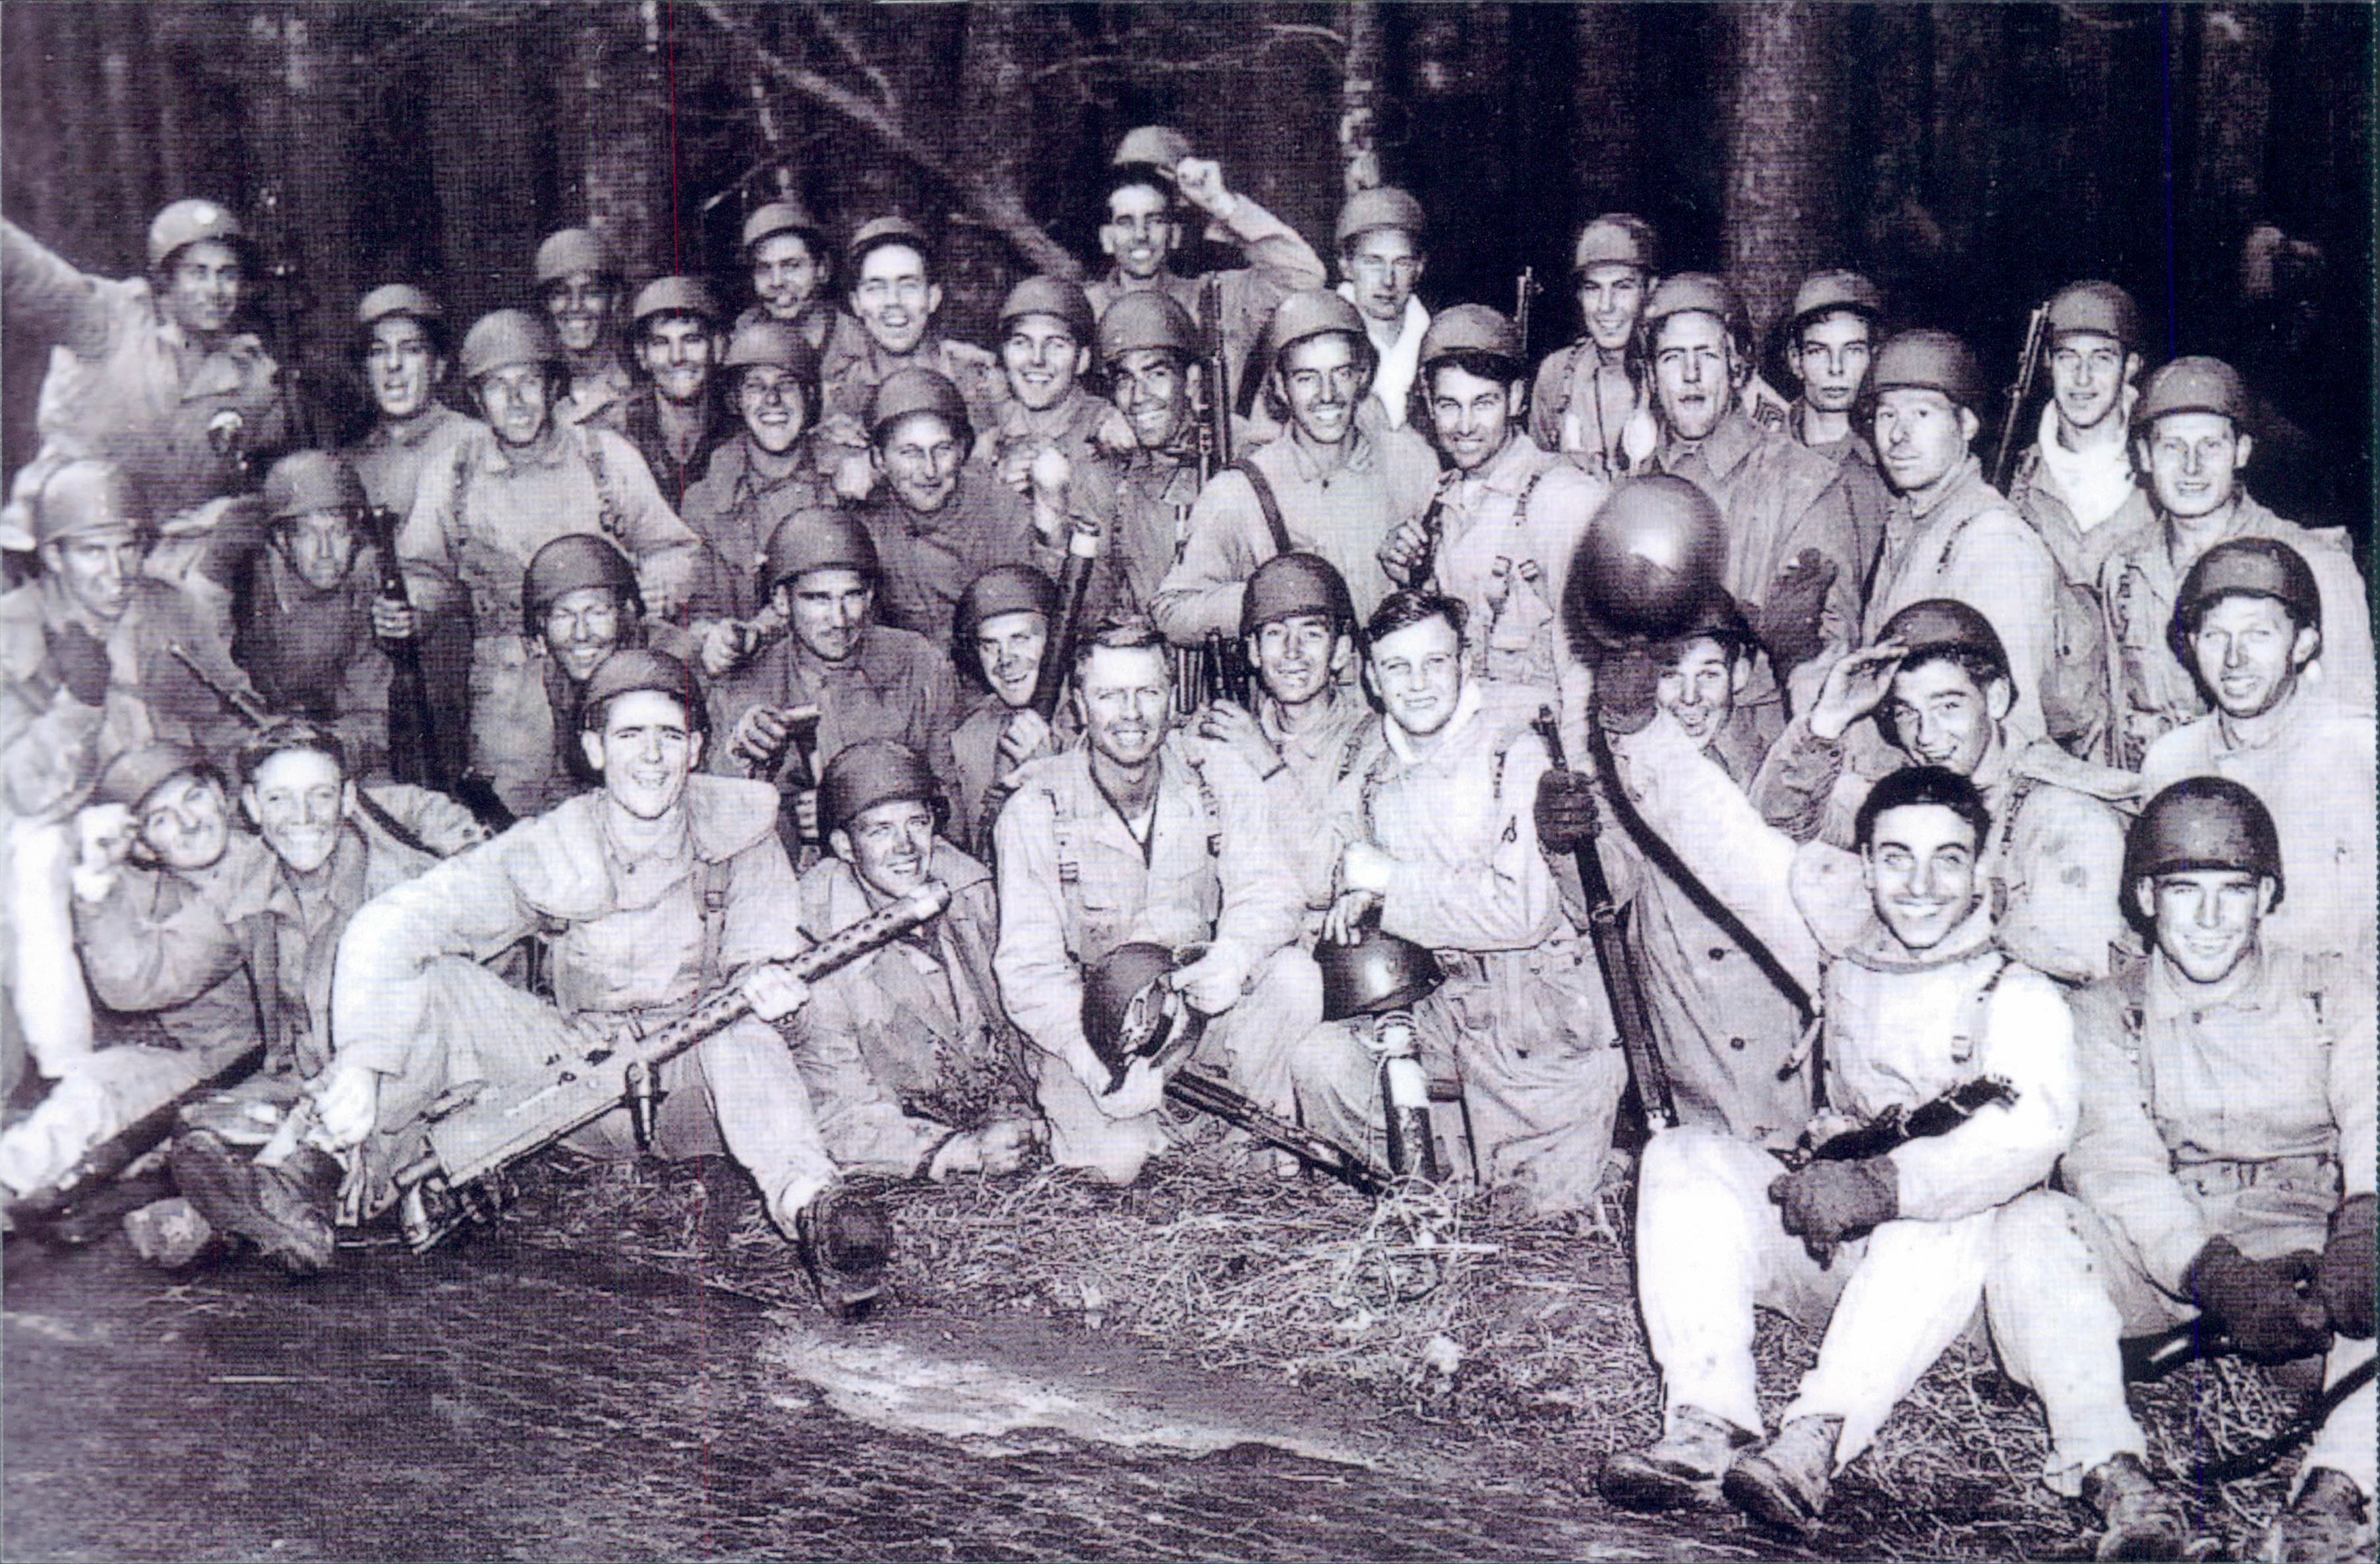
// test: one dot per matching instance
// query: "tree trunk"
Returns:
(1782, 215)
(1359, 150)
(1000, 114)
(1603, 101)
(482, 144)
(623, 158)
(2235, 107)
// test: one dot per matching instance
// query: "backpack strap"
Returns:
(1265, 501)
(710, 884)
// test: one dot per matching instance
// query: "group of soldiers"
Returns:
(732, 629)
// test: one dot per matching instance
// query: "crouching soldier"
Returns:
(656, 892)
(913, 1068)
(1436, 839)
(1891, 1251)
(1143, 837)
(2223, 1167)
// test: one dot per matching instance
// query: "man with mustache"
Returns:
(1150, 347)
(672, 415)
(791, 265)
(578, 285)
(1326, 485)
(1145, 836)
(913, 1068)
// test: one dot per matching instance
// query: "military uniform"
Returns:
(1585, 405)
(851, 371)
(1522, 508)
(734, 509)
(908, 1047)
(599, 395)
(1154, 493)
(894, 686)
(930, 557)
(1866, 494)
(985, 776)
(1341, 740)
(1343, 513)
(2139, 582)
(640, 425)
(637, 941)
(1075, 882)
(313, 654)
(390, 457)
(2068, 503)
(1522, 1019)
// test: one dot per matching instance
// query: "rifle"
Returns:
(1524, 290)
(1194, 1088)
(1217, 425)
(413, 756)
(1223, 671)
(1623, 983)
(1433, 528)
(2004, 458)
(1083, 547)
(472, 1145)
(240, 706)
(54, 1202)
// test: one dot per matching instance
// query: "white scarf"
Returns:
(1400, 359)
(2094, 484)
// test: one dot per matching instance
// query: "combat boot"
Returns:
(846, 1245)
(1682, 1467)
(2141, 1520)
(286, 1211)
(2329, 1518)
(1784, 1484)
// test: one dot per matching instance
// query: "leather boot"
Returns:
(2329, 1518)
(846, 1245)
(2141, 1520)
(285, 1211)
(1784, 1484)
(1682, 1467)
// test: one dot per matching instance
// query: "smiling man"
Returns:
(1382, 254)
(578, 285)
(579, 603)
(401, 344)
(893, 290)
(1593, 400)
(1004, 622)
(1832, 338)
(2075, 483)
(674, 416)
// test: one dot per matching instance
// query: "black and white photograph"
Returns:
(1267, 779)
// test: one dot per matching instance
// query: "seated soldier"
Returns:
(2248, 624)
(858, 679)
(1005, 620)
(307, 615)
(657, 892)
(913, 1068)
(1142, 837)
(2223, 1168)
(1939, 685)
(1436, 838)
(1309, 730)
(579, 603)
(1893, 1251)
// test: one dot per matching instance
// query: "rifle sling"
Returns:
(404, 835)
(1268, 502)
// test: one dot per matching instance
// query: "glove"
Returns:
(1567, 812)
(1788, 623)
(1626, 676)
(80, 659)
(2348, 1264)
(1827, 1202)
(2266, 1307)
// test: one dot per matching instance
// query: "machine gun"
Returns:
(1623, 983)
(1215, 428)
(52, 1203)
(2004, 458)
(413, 752)
(472, 1143)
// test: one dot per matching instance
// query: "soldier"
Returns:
(1045, 349)
(308, 617)
(939, 520)
(1918, 1001)
(2188, 437)
(1832, 334)
(1593, 401)
(2075, 483)
(865, 679)
(578, 284)
(2248, 622)
(1327, 486)
(913, 1068)
(1306, 730)
(894, 295)
(1139, 836)
(1950, 534)
(1005, 622)
(2222, 1169)
(1939, 685)
(1153, 175)
(579, 603)
(1381, 234)
(152, 373)
(1435, 840)
(506, 491)
(790, 262)
(674, 416)
(754, 481)
(401, 341)
(1510, 514)
(1791, 555)
(1149, 345)
(657, 892)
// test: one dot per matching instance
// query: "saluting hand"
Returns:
(1853, 687)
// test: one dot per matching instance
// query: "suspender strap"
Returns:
(711, 885)
(1268, 502)
(1962, 1043)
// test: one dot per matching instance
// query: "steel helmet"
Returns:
(568, 564)
(131, 777)
(2202, 823)
(873, 771)
(2093, 308)
(1617, 238)
(1378, 974)
(504, 338)
(1472, 328)
(1937, 625)
(1130, 1012)
(912, 389)
(676, 295)
(397, 299)
(2192, 385)
(305, 481)
(878, 231)
(1005, 589)
(1054, 297)
(818, 539)
(1653, 550)
(1822, 293)
(783, 215)
(2264, 567)
(779, 343)
(1149, 318)
(1930, 360)
(567, 253)
(1309, 312)
(1383, 206)
(636, 668)
(1288, 584)
(70, 499)
(187, 222)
